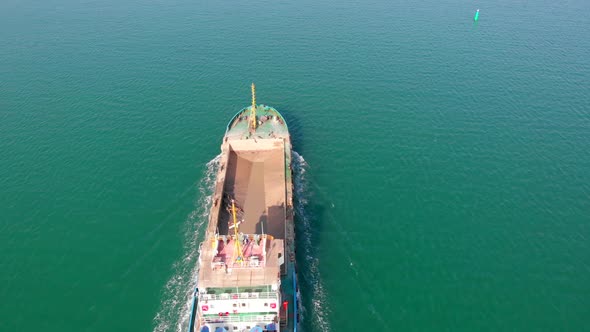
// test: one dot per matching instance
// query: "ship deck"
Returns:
(252, 173)
(255, 179)
(271, 125)
(210, 277)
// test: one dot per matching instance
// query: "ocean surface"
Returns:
(442, 166)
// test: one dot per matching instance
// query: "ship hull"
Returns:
(247, 270)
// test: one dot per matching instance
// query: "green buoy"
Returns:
(476, 17)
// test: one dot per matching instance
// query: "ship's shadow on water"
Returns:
(310, 212)
(293, 121)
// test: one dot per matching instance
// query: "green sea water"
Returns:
(442, 177)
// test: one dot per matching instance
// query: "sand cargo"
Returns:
(247, 277)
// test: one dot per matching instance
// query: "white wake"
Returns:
(309, 274)
(175, 308)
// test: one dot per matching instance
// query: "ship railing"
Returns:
(238, 319)
(217, 264)
(236, 296)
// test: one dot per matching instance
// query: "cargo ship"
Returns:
(247, 278)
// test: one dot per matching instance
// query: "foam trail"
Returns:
(174, 310)
(309, 272)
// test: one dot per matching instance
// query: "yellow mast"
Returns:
(253, 109)
(238, 246)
